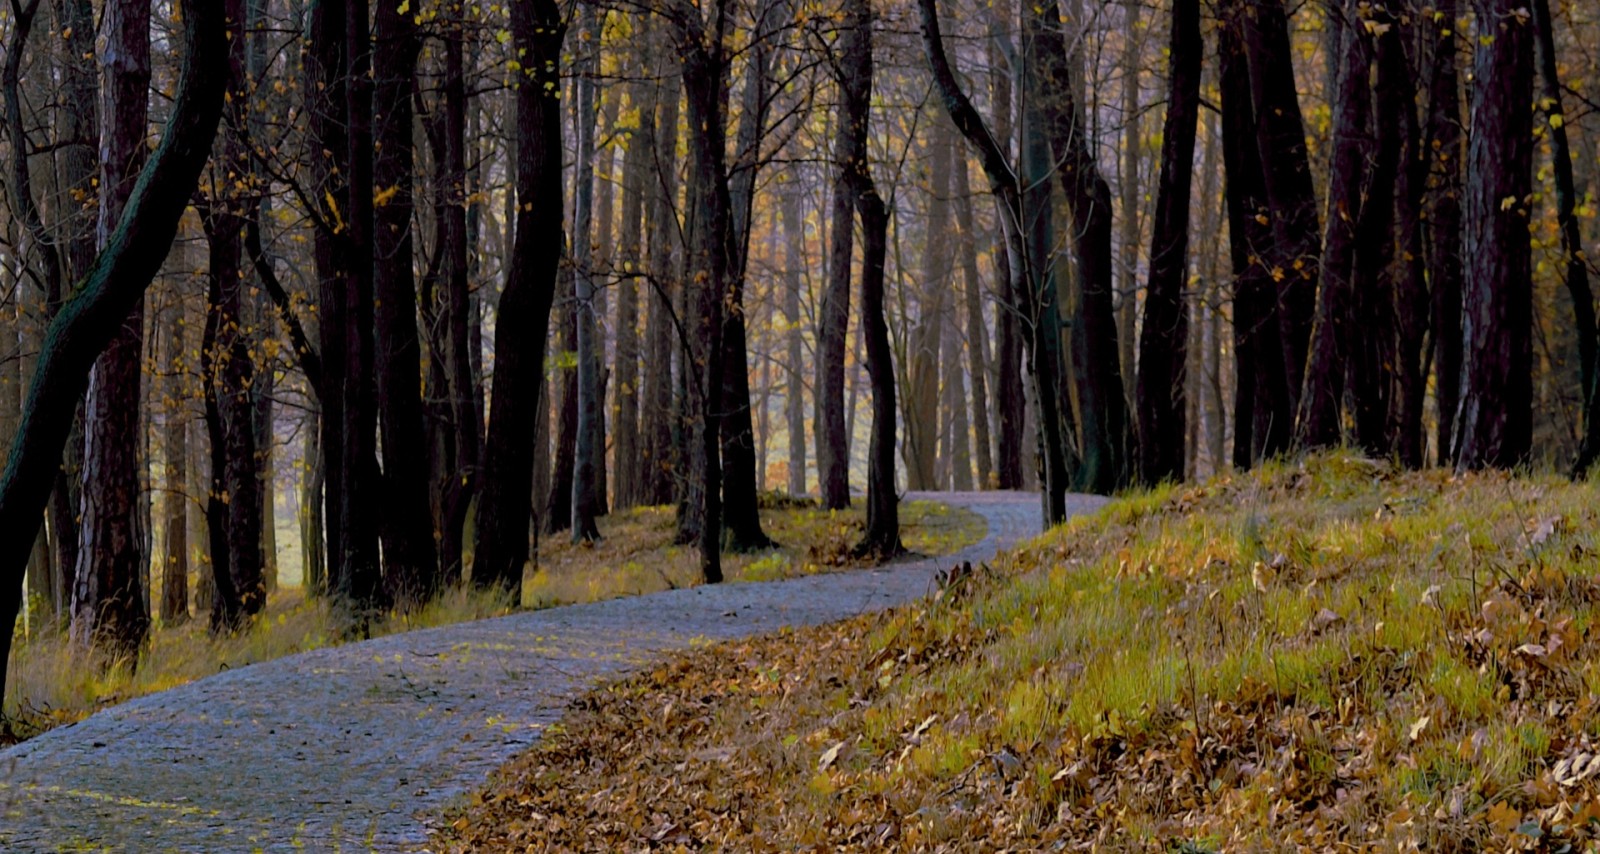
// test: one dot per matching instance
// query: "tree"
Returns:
(111, 287)
(1164, 338)
(882, 536)
(409, 553)
(108, 609)
(1494, 421)
(585, 497)
(504, 505)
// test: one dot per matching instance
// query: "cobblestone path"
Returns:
(358, 747)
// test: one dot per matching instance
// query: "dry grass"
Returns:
(1321, 656)
(50, 682)
(636, 554)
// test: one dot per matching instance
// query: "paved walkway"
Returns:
(357, 747)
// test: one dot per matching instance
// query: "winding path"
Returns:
(358, 747)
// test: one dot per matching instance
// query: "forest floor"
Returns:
(1327, 655)
(51, 683)
(359, 746)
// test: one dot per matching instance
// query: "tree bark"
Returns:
(590, 399)
(504, 506)
(833, 322)
(794, 261)
(1163, 343)
(1446, 155)
(108, 609)
(1494, 424)
(410, 556)
(660, 466)
(629, 467)
(977, 330)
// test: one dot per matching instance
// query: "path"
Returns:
(357, 747)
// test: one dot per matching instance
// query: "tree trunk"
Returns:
(175, 495)
(330, 150)
(1104, 426)
(107, 294)
(1010, 399)
(977, 331)
(1163, 342)
(1446, 156)
(1495, 422)
(1336, 327)
(921, 448)
(1262, 397)
(833, 322)
(411, 560)
(107, 599)
(558, 505)
(794, 261)
(1129, 181)
(1280, 136)
(629, 467)
(660, 466)
(1577, 271)
(504, 506)
(359, 592)
(741, 474)
(590, 400)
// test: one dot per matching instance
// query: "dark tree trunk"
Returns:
(588, 444)
(329, 152)
(457, 422)
(741, 475)
(1577, 271)
(110, 289)
(1374, 360)
(1336, 328)
(1495, 422)
(108, 609)
(175, 495)
(1104, 429)
(628, 446)
(360, 589)
(660, 466)
(1010, 400)
(921, 449)
(1409, 266)
(1038, 290)
(558, 504)
(1292, 198)
(504, 506)
(882, 537)
(411, 561)
(707, 272)
(1164, 339)
(1261, 393)
(1446, 156)
(833, 323)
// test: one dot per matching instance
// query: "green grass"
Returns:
(1323, 654)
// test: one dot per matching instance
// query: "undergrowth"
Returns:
(51, 682)
(1320, 655)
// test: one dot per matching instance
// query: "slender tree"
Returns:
(1164, 338)
(1494, 422)
(504, 506)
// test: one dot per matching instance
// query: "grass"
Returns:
(51, 682)
(636, 554)
(1318, 655)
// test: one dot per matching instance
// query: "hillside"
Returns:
(1315, 655)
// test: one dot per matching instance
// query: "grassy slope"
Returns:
(1327, 655)
(51, 684)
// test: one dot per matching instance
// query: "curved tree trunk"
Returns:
(132, 256)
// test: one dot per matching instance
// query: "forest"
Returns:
(368, 297)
